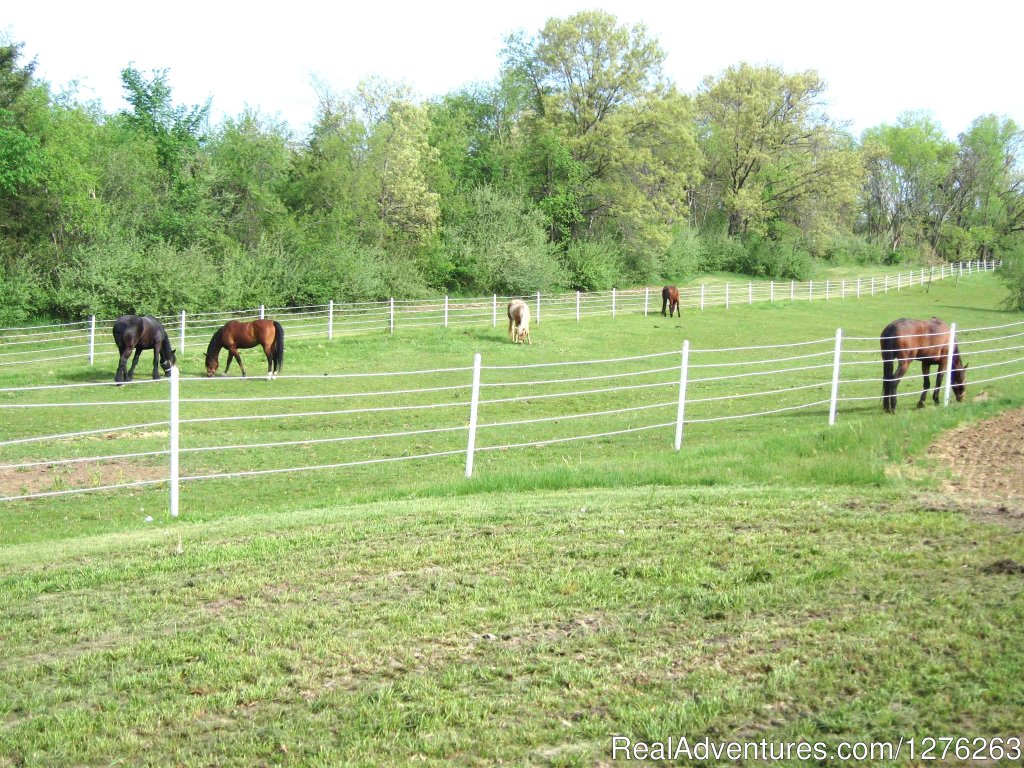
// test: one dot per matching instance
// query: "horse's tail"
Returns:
(278, 346)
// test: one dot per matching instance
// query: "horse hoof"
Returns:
(920, 404)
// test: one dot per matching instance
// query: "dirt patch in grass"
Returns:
(60, 477)
(987, 464)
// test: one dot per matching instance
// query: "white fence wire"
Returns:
(445, 413)
(89, 339)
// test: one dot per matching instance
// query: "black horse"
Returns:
(132, 332)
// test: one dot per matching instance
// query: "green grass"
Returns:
(776, 579)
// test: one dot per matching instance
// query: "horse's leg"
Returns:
(926, 368)
(938, 382)
(122, 367)
(156, 362)
(135, 361)
(240, 363)
(268, 350)
(901, 370)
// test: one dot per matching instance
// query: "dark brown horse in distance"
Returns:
(670, 299)
(904, 341)
(134, 334)
(235, 335)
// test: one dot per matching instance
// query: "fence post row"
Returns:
(92, 339)
(948, 387)
(174, 425)
(835, 377)
(474, 406)
(681, 410)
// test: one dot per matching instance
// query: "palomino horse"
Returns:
(519, 321)
(132, 332)
(904, 341)
(236, 335)
(670, 299)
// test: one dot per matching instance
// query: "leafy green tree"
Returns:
(249, 164)
(611, 144)
(770, 149)
(907, 164)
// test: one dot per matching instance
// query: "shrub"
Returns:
(593, 265)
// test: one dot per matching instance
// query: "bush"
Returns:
(499, 243)
(685, 256)
(1012, 273)
(593, 265)
(763, 257)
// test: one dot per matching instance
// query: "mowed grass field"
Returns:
(776, 579)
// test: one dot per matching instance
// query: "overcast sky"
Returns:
(958, 60)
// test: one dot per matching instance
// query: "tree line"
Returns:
(581, 167)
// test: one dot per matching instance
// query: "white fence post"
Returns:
(828, 291)
(647, 299)
(771, 292)
(899, 280)
(792, 290)
(494, 310)
(330, 319)
(750, 293)
(681, 411)
(810, 290)
(538, 307)
(835, 378)
(858, 287)
(391, 320)
(474, 406)
(577, 306)
(613, 302)
(446, 310)
(263, 312)
(726, 295)
(92, 339)
(872, 286)
(948, 386)
(175, 423)
(181, 334)
(702, 297)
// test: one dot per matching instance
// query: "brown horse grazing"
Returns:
(904, 341)
(236, 335)
(670, 299)
(519, 321)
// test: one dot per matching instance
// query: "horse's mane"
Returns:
(214, 347)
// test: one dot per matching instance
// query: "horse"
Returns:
(519, 321)
(132, 332)
(670, 299)
(235, 335)
(904, 341)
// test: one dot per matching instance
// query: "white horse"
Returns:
(519, 321)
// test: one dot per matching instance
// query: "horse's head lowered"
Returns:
(959, 384)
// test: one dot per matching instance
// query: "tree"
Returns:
(907, 164)
(770, 150)
(611, 143)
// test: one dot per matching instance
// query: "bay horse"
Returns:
(670, 299)
(904, 341)
(519, 321)
(134, 333)
(235, 335)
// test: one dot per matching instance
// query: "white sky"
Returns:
(957, 59)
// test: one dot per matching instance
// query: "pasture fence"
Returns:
(78, 340)
(357, 420)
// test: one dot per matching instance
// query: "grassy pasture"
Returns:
(776, 579)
